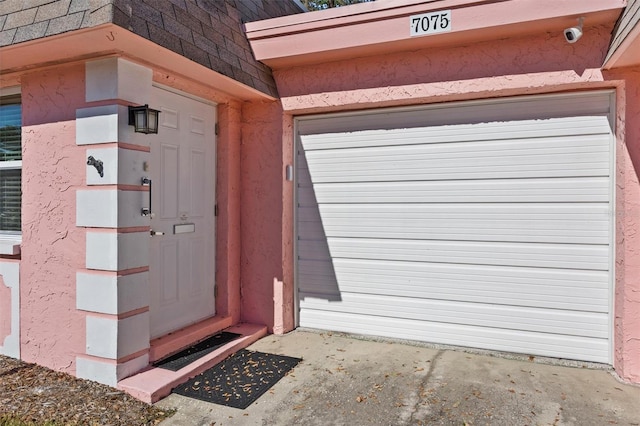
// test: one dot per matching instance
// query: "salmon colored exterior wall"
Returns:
(627, 293)
(261, 210)
(53, 248)
(228, 194)
(539, 64)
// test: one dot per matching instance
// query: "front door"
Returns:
(182, 249)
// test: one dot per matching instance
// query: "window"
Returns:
(10, 164)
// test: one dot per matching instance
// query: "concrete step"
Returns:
(156, 383)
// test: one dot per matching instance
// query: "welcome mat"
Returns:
(238, 380)
(183, 358)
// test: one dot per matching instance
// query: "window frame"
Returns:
(10, 241)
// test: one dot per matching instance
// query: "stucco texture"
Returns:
(534, 64)
(627, 296)
(517, 66)
(228, 220)
(52, 331)
(261, 210)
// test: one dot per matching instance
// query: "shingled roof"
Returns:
(208, 32)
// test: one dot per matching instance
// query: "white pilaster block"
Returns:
(109, 373)
(133, 334)
(110, 208)
(109, 159)
(117, 78)
(102, 337)
(97, 208)
(133, 366)
(110, 251)
(97, 292)
(10, 274)
(111, 293)
(99, 124)
(107, 124)
(98, 371)
(120, 166)
(112, 338)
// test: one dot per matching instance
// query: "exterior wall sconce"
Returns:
(144, 119)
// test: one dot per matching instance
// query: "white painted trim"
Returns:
(10, 244)
(296, 290)
(96, 125)
(98, 371)
(183, 94)
(612, 225)
(108, 373)
(10, 272)
(11, 165)
(110, 251)
(107, 124)
(10, 91)
(111, 293)
(97, 208)
(120, 166)
(111, 208)
(112, 338)
(117, 78)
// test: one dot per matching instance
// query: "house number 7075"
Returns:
(430, 23)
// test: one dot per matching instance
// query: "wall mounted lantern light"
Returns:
(144, 119)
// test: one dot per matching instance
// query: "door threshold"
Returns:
(163, 346)
(156, 383)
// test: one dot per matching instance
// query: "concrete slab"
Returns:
(343, 380)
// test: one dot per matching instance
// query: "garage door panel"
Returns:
(586, 324)
(592, 105)
(493, 131)
(552, 288)
(382, 173)
(425, 168)
(582, 224)
(564, 256)
(576, 156)
(497, 150)
(542, 344)
(588, 189)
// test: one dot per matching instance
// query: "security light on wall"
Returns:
(144, 119)
(574, 34)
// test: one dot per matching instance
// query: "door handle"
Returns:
(146, 211)
(152, 232)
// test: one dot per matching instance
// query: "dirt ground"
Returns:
(36, 394)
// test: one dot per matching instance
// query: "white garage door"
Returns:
(480, 224)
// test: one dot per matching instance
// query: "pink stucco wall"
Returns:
(627, 292)
(261, 210)
(51, 330)
(228, 220)
(535, 64)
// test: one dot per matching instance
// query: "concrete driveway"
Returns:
(348, 381)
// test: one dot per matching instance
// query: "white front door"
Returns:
(182, 172)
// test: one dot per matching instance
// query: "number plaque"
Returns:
(430, 23)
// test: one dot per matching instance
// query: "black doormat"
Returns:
(183, 358)
(238, 380)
